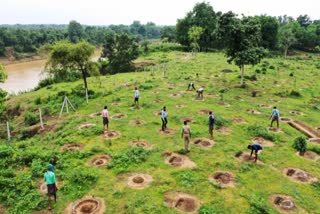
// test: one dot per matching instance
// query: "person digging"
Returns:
(164, 118)
(257, 148)
(211, 124)
(105, 118)
(200, 93)
(191, 86)
(136, 97)
(275, 115)
(50, 179)
(186, 135)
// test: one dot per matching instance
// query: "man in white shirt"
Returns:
(164, 118)
(200, 92)
(136, 96)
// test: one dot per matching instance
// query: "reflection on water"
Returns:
(25, 76)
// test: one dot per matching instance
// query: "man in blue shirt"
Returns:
(164, 118)
(275, 115)
(257, 148)
(211, 124)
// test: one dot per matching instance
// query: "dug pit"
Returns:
(245, 156)
(285, 119)
(72, 147)
(181, 106)
(262, 141)
(137, 122)
(100, 160)
(224, 130)
(140, 143)
(139, 180)
(309, 155)
(167, 131)
(182, 201)
(253, 111)
(203, 142)
(296, 113)
(314, 140)
(111, 135)
(224, 104)
(175, 95)
(86, 206)
(86, 125)
(204, 111)
(96, 114)
(178, 160)
(298, 175)
(239, 120)
(274, 129)
(118, 116)
(307, 130)
(157, 113)
(188, 119)
(265, 106)
(223, 179)
(283, 202)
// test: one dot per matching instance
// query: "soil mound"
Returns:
(314, 140)
(204, 111)
(224, 130)
(181, 201)
(285, 119)
(158, 101)
(137, 122)
(178, 160)
(72, 147)
(224, 104)
(157, 113)
(309, 155)
(118, 116)
(245, 156)
(175, 95)
(239, 120)
(167, 131)
(100, 160)
(223, 179)
(305, 129)
(265, 106)
(86, 125)
(188, 119)
(253, 111)
(115, 104)
(296, 113)
(96, 114)
(298, 175)
(262, 141)
(140, 143)
(86, 206)
(203, 142)
(139, 180)
(111, 134)
(283, 202)
(181, 106)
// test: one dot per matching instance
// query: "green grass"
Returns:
(26, 160)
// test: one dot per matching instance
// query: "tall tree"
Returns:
(244, 44)
(168, 33)
(287, 38)
(75, 31)
(194, 35)
(66, 56)
(269, 31)
(304, 21)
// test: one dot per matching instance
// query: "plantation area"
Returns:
(156, 175)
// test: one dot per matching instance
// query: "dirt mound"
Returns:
(265, 106)
(178, 160)
(314, 140)
(203, 142)
(181, 106)
(111, 134)
(204, 111)
(167, 131)
(223, 179)
(72, 147)
(181, 201)
(115, 103)
(307, 130)
(86, 205)
(140, 143)
(309, 155)
(283, 202)
(96, 114)
(100, 160)
(175, 95)
(224, 130)
(118, 116)
(158, 101)
(285, 119)
(86, 125)
(239, 120)
(299, 175)
(139, 180)
(262, 141)
(157, 113)
(274, 129)
(224, 104)
(253, 111)
(245, 156)
(188, 119)
(296, 113)
(137, 122)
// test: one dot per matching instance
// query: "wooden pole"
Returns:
(64, 101)
(87, 96)
(8, 130)
(41, 123)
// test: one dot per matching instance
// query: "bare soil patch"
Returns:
(263, 142)
(137, 122)
(139, 180)
(204, 111)
(100, 160)
(239, 120)
(298, 175)
(314, 140)
(86, 125)
(225, 104)
(87, 205)
(296, 113)
(285, 119)
(181, 106)
(167, 131)
(245, 156)
(224, 130)
(203, 142)
(305, 129)
(253, 111)
(140, 143)
(115, 103)
(274, 129)
(118, 116)
(178, 160)
(96, 114)
(175, 95)
(2, 209)
(111, 134)
(158, 101)
(72, 147)
(188, 119)
(309, 155)
(265, 106)
(223, 179)
(182, 201)
(283, 203)
(157, 113)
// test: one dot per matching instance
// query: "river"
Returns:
(25, 76)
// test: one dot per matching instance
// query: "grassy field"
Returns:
(291, 85)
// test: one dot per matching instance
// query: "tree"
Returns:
(269, 31)
(120, 50)
(168, 32)
(66, 56)
(304, 21)
(300, 144)
(75, 32)
(194, 35)
(3, 74)
(244, 44)
(287, 38)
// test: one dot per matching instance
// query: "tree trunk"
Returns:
(285, 52)
(242, 74)
(84, 78)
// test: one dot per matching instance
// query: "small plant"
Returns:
(300, 144)
(294, 93)
(38, 101)
(31, 119)
(260, 131)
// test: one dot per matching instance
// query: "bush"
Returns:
(37, 101)
(260, 131)
(300, 144)
(219, 121)
(294, 93)
(31, 119)
(272, 67)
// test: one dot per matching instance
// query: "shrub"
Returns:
(272, 67)
(300, 144)
(219, 121)
(291, 74)
(37, 101)
(260, 131)
(294, 93)
(31, 119)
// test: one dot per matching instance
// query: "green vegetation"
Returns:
(300, 144)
